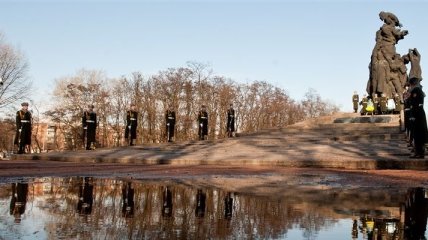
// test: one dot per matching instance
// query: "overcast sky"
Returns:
(296, 45)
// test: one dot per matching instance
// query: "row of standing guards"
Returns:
(377, 105)
(89, 124)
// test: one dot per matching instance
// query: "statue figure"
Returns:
(415, 64)
(384, 78)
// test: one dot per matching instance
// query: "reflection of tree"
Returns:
(182, 212)
(18, 200)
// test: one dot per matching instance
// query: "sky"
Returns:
(295, 45)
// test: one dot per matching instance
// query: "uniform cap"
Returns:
(24, 104)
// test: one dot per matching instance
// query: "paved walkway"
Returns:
(344, 140)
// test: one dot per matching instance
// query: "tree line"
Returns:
(258, 104)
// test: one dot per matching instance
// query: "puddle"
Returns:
(101, 208)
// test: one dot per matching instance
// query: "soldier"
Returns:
(23, 128)
(230, 121)
(203, 123)
(355, 100)
(89, 123)
(131, 125)
(398, 103)
(363, 103)
(376, 104)
(170, 124)
(383, 104)
(419, 119)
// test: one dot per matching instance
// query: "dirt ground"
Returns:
(228, 177)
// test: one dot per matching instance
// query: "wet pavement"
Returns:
(79, 207)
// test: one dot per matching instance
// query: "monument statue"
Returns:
(388, 71)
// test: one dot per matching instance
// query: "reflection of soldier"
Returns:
(131, 125)
(228, 206)
(89, 123)
(416, 213)
(18, 200)
(167, 203)
(23, 128)
(86, 188)
(230, 128)
(170, 124)
(200, 204)
(128, 200)
(355, 229)
(203, 123)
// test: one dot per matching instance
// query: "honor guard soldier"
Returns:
(363, 103)
(23, 128)
(419, 119)
(383, 103)
(376, 104)
(89, 123)
(230, 121)
(170, 124)
(355, 101)
(203, 123)
(131, 125)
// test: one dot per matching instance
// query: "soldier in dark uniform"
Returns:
(407, 114)
(128, 200)
(419, 119)
(203, 123)
(355, 101)
(18, 200)
(200, 204)
(170, 124)
(230, 121)
(86, 198)
(398, 103)
(131, 125)
(363, 103)
(89, 123)
(23, 128)
(383, 103)
(167, 203)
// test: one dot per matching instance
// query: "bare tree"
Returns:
(15, 85)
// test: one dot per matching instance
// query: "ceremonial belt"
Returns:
(203, 117)
(170, 118)
(25, 121)
(132, 119)
(90, 121)
(407, 109)
(420, 105)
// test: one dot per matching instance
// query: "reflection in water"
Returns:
(133, 210)
(416, 213)
(167, 202)
(18, 200)
(86, 198)
(200, 203)
(228, 206)
(127, 200)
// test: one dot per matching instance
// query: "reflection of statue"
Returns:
(127, 200)
(86, 188)
(167, 203)
(200, 203)
(18, 200)
(228, 206)
(416, 213)
(382, 80)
